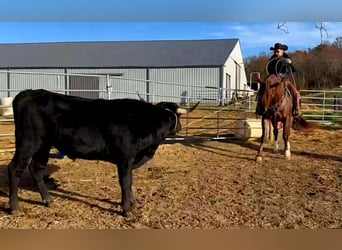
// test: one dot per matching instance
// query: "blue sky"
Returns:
(169, 10)
(253, 22)
(255, 37)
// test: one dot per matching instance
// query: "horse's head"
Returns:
(272, 91)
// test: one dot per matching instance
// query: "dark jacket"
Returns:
(277, 65)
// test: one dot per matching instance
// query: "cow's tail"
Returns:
(140, 98)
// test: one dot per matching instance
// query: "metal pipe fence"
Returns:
(216, 118)
(216, 102)
(322, 105)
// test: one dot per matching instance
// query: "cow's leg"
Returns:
(125, 180)
(141, 161)
(25, 150)
(37, 167)
(144, 157)
(15, 170)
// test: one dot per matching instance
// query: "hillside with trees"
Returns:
(317, 68)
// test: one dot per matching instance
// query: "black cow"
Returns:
(126, 132)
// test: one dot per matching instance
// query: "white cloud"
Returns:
(258, 37)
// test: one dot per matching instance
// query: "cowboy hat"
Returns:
(279, 46)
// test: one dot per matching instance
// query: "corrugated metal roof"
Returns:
(168, 53)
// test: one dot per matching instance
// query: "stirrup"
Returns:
(296, 113)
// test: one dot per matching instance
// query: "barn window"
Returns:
(87, 86)
(84, 86)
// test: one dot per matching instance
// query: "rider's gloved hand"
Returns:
(288, 60)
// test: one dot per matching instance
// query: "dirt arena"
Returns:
(194, 184)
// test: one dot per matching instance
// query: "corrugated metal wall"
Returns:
(3, 84)
(165, 84)
(24, 80)
(185, 84)
(124, 86)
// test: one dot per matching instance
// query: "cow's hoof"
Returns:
(48, 201)
(16, 212)
(132, 202)
(126, 214)
(126, 211)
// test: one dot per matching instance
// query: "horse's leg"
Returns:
(275, 133)
(267, 136)
(268, 131)
(286, 135)
(264, 127)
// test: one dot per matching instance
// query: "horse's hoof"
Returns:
(258, 159)
(287, 155)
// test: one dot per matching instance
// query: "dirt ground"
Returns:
(194, 184)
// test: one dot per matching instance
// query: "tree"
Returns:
(338, 42)
(256, 64)
(316, 68)
(283, 27)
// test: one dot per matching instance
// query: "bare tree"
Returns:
(282, 26)
(321, 30)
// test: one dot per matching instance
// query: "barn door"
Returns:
(82, 86)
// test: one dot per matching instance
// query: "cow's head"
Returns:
(173, 108)
(177, 111)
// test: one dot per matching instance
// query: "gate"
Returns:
(217, 117)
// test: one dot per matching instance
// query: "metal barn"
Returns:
(172, 70)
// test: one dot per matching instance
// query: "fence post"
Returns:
(323, 105)
(108, 87)
(218, 125)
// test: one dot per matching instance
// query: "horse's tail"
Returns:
(300, 123)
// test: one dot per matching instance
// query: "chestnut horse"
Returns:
(278, 103)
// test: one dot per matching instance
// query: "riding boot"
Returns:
(259, 110)
(296, 108)
(296, 99)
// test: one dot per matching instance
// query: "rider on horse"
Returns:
(280, 65)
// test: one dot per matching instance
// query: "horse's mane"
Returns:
(270, 83)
